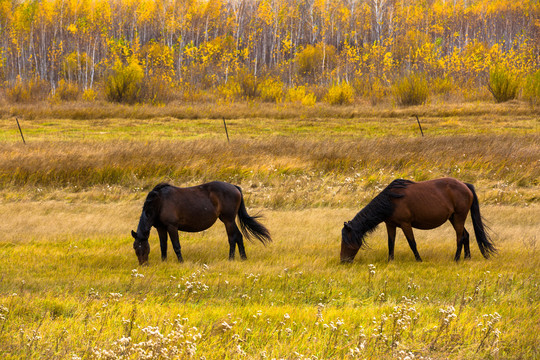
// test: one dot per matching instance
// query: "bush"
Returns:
(156, 90)
(310, 60)
(442, 86)
(229, 91)
(89, 95)
(376, 91)
(124, 84)
(531, 89)
(300, 94)
(66, 91)
(272, 90)
(502, 84)
(411, 90)
(248, 83)
(340, 94)
(26, 91)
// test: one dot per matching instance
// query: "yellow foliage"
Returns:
(271, 90)
(301, 95)
(89, 95)
(66, 91)
(340, 94)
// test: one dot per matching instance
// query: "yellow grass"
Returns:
(70, 265)
(69, 283)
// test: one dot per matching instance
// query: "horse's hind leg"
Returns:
(407, 230)
(235, 237)
(162, 232)
(173, 234)
(466, 244)
(458, 222)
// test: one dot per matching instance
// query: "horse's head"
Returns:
(141, 247)
(349, 246)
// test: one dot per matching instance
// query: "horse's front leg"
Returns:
(391, 230)
(407, 230)
(173, 234)
(162, 232)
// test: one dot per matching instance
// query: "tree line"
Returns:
(207, 44)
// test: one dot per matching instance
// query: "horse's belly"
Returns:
(428, 224)
(196, 226)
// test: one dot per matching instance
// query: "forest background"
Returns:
(306, 51)
(115, 96)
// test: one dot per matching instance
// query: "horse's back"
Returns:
(428, 204)
(199, 206)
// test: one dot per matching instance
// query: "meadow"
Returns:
(70, 286)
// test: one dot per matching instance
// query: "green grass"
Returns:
(77, 292)
(70, 286)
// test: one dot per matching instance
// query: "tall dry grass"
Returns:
(280, 171)
(251, 109)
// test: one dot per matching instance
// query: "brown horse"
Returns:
(422, 205)
(171, 209)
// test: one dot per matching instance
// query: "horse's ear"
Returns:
(347, 225)
(134, 234)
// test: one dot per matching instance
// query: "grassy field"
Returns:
(70, 287)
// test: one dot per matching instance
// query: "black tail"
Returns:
(485, 243)
(249, 225)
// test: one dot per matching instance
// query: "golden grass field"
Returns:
(70, 286)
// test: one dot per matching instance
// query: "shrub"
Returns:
(531, 89)
(26, 91)
(310, 60)
(66, 91)
(89, 95)
(411, 90)
(377, 91)
(156, 90)
(124, 84)
(442, 86)
(502, 84)
(272, 90)
(300, 94)
(248, 84)
(340, 94)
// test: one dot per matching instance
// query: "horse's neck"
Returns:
(364, 222)
(144, 226)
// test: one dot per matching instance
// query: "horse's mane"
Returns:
(151, 209)
(152, 204)
(378, 210)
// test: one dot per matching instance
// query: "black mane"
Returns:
(378, 210)
(151, 208)
(151, 204)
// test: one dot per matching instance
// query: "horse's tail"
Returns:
(486, 245)
(249, 225)
(152, 204)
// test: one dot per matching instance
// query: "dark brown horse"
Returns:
(171, 209)
(422, 205)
